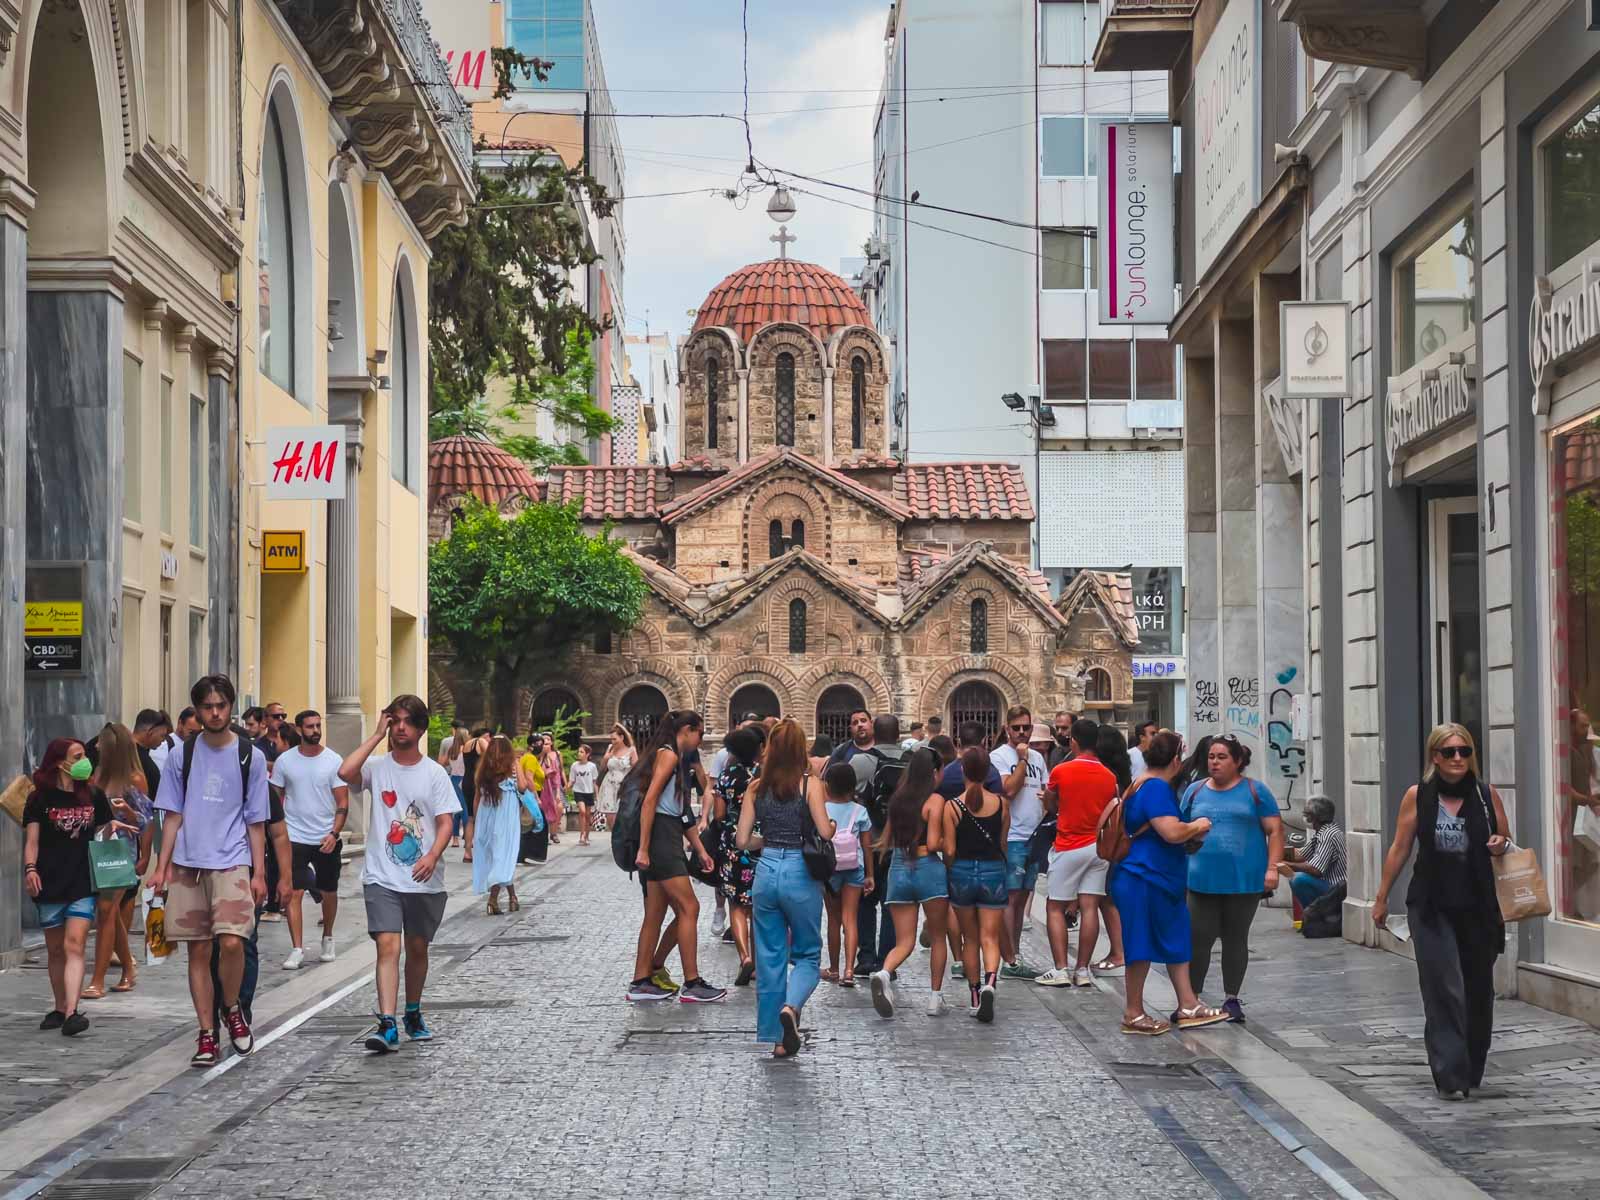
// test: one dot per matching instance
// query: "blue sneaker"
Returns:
(386, 1038)
(416, 1028)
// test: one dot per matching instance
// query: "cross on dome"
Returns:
(783, 237)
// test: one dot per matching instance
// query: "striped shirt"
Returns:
(1324, 850)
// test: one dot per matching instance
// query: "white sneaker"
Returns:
(1027, 924)
(719, 922)
(936, 1006)
(296, 957)
(1083, 977)
(327, 950)
(1056, 977)
(882, 993)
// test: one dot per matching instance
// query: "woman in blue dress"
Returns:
(494, 831)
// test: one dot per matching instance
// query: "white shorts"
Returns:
(1074, 873)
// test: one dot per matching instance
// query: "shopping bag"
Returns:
(155, 931)
(1519, 885)
(111, 865)
(1586, 828)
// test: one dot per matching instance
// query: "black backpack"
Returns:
(874, 794)
(1324, 916)
(625, 824)
(242, 743)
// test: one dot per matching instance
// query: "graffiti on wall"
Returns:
(1205, 702)
(1244, 706)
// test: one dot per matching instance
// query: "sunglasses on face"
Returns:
(1454, 752)
(1020, 728)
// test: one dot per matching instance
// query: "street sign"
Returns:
(305, 462)
(52, 655)
(283, 551)
(1314, 348)
(1134, 242)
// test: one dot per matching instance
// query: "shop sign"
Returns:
(462, 29)
(1314, 348)
(1134, 239)
(52, 618)
(52, 656)
(283, 551)
(1227, 132)
(1436, 400)
(1562, 322)
(305, 462)
(1156, 605)
(1146, 669)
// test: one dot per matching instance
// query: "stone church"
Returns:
(794, 567)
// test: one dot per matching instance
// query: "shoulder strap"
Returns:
(1488, 810)
(246, 752)
(188, 762)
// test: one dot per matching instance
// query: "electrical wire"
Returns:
(609, 199)
(744, 25)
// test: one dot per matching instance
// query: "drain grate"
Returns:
(131, 1168)
(100, 1191)
(459, 1004)
(529, 939)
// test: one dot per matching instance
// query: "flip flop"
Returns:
(124, 985)
(92, 993)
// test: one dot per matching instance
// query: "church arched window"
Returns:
(783, 418)
(775, 539)
(797, 627)
(980, 626)
(797, 533)
(713, 400)
(858, 402)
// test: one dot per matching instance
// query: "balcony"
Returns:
(1144, 35)
(380, 62)
(1391, 34)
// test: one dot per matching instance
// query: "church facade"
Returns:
(793, 567)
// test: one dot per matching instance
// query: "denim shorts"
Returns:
(54, 915)
(1021, 874)
(978, 883)
(855, 876)
(915, 880)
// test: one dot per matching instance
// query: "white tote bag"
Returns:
(1586, 828)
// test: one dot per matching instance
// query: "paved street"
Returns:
(542, 1078)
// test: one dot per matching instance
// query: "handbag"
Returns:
(820, 857)
(1111, 839)
(111, 865)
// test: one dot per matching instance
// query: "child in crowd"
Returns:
(852, 843)
(584, 777)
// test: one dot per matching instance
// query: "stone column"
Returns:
(827, 416)
(1204, 710)
(345, 723)
(74, 506)
(1238, 648)
(16, 202)
(222, 518)
(744, 415)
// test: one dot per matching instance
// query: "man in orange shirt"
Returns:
(1078, 793)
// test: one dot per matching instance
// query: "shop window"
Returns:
(713, 401)
(1435, 293)
(1066, 369)
(1065, 260)
(1063, 147)
(1572, 193)
(783, 417)
(858, 402)
(1575, 590)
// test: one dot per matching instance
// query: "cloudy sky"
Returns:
(823, 58)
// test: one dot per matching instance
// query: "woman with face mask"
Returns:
(59, 820)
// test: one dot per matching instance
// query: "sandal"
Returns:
(91, 992)
(516, 905)
(1199, 1015)
(847, 980)
(125, 984)
(1106, 967)
(1144, 1025)
(830, 975)
(791, 1032)
(493, 909)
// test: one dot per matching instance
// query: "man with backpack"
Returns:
(213, 858)
(878, 770)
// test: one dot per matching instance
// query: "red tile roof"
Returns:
(694, 500)
(459, 466)
(968, 490)
(614, 492)
(782, 289)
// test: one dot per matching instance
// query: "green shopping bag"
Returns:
(111, 864)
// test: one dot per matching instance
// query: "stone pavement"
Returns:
(542, 1079)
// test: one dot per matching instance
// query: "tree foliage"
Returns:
(506, 594)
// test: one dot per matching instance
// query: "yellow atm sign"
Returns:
(283, 551)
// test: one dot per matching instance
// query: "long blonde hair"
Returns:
(1438, 737)
(119, 768)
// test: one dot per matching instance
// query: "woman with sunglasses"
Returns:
(1232, 868)
(1457, 823)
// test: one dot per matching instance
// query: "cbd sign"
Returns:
(305, 462)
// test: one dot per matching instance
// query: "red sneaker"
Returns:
(205, 1051)
(239, 1030)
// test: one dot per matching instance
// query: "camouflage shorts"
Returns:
(202, 904)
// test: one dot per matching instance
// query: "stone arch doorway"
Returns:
(834, 707)
(976, 701)
(753, 698)
(639, 712)
(545, 707)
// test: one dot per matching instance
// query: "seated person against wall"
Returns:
(1319, 866)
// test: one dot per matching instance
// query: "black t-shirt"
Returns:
(66, 826)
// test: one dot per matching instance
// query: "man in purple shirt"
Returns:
(213, 858)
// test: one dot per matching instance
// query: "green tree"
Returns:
(508, 594)
(500, 299)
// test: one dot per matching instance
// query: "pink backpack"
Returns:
(847, 842)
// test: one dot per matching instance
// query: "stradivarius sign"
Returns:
(1562, 321)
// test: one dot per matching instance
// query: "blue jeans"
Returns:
(460, 821)
(1307, 888)
(787, 905)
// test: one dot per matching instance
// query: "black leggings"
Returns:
(1226, 916)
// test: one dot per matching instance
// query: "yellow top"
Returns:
(533, 771)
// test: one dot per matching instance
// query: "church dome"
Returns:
(458, 466)
(783, 289)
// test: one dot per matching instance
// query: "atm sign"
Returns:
(283, 551)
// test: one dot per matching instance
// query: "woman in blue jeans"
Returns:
(786, 901)
(975, 825)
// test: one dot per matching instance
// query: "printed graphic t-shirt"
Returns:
(402, 803)
(583, 776)
(1027, 810)
(308, 802)
(66, 826)
(215, 833)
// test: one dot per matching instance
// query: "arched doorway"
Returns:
(640, 711)
(754, 698)
(550, 703)
(834, 707)
(976, 701)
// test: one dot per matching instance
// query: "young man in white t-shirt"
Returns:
(316, 805)
(411, 807)
(1022, 778)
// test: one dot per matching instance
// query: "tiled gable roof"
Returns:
(936, 576)
(965, 490)
(782, 289)
(693, 501)
(610, 492)
(1109, 591)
